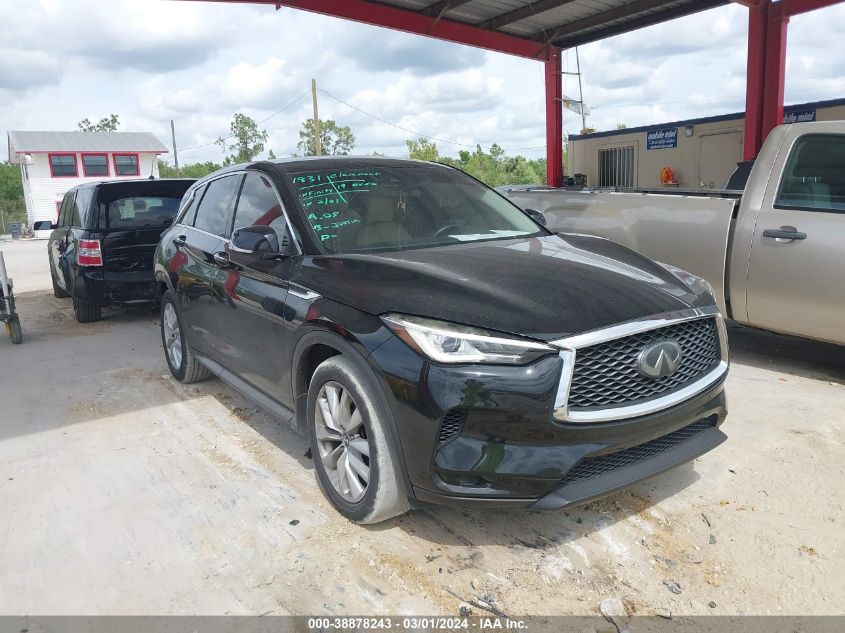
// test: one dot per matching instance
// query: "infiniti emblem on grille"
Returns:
(660, 359)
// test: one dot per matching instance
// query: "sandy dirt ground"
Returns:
(124, 492)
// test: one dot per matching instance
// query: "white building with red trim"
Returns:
(53, 162)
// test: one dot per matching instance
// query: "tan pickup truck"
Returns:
(774, 253)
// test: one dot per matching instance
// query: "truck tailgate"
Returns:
(690, 232)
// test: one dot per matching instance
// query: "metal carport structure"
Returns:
(541, 29)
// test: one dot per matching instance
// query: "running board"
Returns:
(257, 396)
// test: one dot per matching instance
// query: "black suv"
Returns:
(101, 249)
(435, 342)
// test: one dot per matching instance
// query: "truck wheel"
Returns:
(181, 361)
(58, 292)
(86, 312)
(15, 330)
(350, 443)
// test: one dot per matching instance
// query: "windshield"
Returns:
(364, 206)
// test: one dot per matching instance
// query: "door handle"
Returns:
(222, 258)
(785, 233)
(180, 240)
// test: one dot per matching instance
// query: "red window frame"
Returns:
(85, 170)
(75, 165)
(137, 163)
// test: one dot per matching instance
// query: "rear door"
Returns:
(58, 240)
(795, 275)
(254, 342)
(200, 235)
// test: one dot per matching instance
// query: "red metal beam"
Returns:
(413, 22)
(775, 76)
(796, 7)
(554, 118)
(755, 81)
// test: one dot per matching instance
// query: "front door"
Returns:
(796, 277)
(198, 238)
(253, 337)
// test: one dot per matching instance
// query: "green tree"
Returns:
(12, 206)
(246, 141)
(334, 139)
(493, 167)
(106, 124)
(189, 170)
(271, 155)
(423, 149)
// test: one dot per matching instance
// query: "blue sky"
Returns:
(199, 63)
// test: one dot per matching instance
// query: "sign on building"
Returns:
(662, 139)
(799, 116)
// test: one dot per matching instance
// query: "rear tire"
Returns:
(354, 459)
(58, 292)
(86, 312)
(181, 361)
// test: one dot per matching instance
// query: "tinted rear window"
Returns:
(141, 211)
(137, 204)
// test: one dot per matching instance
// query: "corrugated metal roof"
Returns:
(564, 23)
(21, 141)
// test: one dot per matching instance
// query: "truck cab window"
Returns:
(814, 177)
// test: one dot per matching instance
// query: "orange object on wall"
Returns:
(667, 176)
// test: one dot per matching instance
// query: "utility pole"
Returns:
(175, 154)
(580, 91)
(316, 118)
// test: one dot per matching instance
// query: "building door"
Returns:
(718, 155)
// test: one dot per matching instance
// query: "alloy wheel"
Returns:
(342, 441)
(172, 336)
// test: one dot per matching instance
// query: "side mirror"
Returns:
(259, 241)
(537, 216)
(44, 225)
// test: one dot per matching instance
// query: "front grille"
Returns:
(452, 425)
(606, 374)
(595, 466)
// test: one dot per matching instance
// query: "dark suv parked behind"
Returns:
(101, 250)
(433, 341)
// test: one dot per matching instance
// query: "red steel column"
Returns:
(554, 118)
(775, 69)
(755, 82)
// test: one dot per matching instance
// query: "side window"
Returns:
(258, 205)
(814, 177)
(189, 210)
(213, 211)
(80, 207)
(67, 209)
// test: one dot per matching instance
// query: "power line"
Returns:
(226, 138)
(416, 133)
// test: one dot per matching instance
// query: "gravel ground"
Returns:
(123, 492)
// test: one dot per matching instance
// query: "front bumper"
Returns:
(105, 288)
(508, 450)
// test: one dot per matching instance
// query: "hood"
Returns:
(544, 288)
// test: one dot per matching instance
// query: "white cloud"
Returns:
(199, 63)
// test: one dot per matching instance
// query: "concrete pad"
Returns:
(123, 492)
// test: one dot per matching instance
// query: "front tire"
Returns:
(353, 457)
(181, 361)
(58, 291)
(15, 330)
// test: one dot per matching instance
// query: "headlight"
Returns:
(452, 343)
